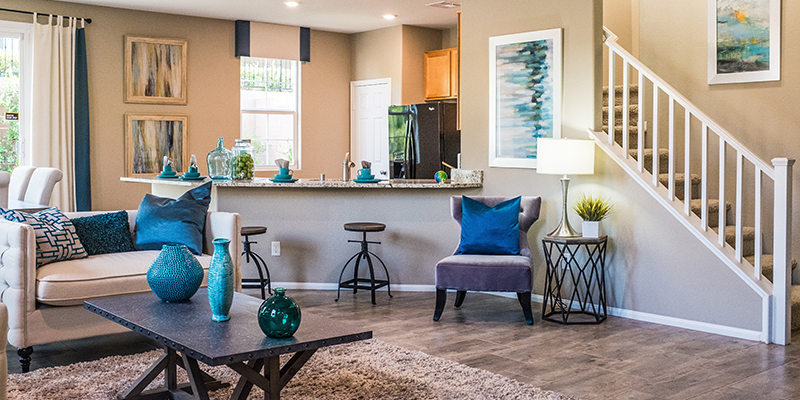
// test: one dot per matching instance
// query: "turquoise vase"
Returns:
(219, 162)
(175, 274)
(220, 281)
(279, 315)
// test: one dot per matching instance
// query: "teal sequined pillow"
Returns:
(56, 239)
(105, 233)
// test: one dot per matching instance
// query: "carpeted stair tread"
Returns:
(633, 111)
(713, 208)
(795, 307)
(663, 156)
(664, 178)
(748, 238)
(633, 135)
(633, 96)
(767, 265)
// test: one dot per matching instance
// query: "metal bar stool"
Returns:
(261, 266)
(361, 283)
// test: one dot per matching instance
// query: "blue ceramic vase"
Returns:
(220, 281)
(279, 315)
(175, 274)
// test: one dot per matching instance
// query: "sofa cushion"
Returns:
(105, 233)
(68, 283)
(161, 220)
(56, 238)
(487, 273)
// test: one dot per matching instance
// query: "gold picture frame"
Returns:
(155, 70)
(150, 137)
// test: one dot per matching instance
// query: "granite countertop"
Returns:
(315, 183)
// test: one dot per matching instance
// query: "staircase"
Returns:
(684, 160)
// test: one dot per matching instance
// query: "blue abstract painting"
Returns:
(742, 36)
(526, 95)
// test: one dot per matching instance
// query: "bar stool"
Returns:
(261, 266)
(356, 282)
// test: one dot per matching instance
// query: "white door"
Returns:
(369, 129)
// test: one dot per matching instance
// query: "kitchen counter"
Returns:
(307, 218)
(314, 183)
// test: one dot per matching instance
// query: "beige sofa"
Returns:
(46, 305)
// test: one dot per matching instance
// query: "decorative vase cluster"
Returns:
(238, 163)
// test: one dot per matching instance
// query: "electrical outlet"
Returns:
(276, 249)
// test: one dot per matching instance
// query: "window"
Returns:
(270, 109)
(14, 91)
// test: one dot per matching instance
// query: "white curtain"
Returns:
(53, 96)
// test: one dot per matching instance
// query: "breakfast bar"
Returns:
(307, 218)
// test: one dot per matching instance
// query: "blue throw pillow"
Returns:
(56, 239)
(489, 230)
(105, 233)
(162, 220)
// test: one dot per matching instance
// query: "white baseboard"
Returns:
(664, 320)
(617, 312)
(334, 286)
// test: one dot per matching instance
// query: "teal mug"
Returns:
(365, 173)
(284, 173)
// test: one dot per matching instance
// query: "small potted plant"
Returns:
(592, 210)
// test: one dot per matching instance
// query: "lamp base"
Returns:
(564, 229)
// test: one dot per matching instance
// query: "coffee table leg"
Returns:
(251, 370)
(274, 378)
(199, 382)
(272, 371)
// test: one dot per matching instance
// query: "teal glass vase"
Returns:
(220, 281)
(175, 275)
(279, 315)
(219, 162)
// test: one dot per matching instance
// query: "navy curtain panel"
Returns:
(83, 170)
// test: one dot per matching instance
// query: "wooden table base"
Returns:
(200, 383)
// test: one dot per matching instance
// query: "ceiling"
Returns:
(346, 16)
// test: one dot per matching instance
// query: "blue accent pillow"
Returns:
(162, 220)
(489, 230)
(105, 233)
(56, 239)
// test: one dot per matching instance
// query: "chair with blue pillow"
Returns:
(493, 255)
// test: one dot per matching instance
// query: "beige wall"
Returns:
(654, 265)
(450, 38)
(416, 41)
(376, 54)
(213, 89)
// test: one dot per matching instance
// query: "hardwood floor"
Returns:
(618, 359)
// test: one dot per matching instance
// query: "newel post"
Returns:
(782, 249)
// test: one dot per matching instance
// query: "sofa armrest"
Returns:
(225, 225)
(17, 276)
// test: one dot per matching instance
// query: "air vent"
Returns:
(444, 4)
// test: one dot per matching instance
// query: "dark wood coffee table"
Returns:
(189, 335)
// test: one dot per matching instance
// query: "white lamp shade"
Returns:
(565, 156)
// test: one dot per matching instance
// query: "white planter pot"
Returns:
(592, 229)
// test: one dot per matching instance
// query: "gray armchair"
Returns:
(490, 273)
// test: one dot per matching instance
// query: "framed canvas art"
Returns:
(744, 41)
(148, 138)
(155, 70)
(524, 95)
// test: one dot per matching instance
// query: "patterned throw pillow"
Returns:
(56, 239)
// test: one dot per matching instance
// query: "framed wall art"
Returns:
(744, 41)
(155, 70)
(525, 84)
(149, 137)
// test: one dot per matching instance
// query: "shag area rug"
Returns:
(364, 370)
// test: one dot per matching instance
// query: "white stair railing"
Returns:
(776, 296)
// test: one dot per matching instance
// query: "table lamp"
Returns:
(565, 157)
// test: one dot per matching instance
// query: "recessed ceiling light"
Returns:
(291, 3)
(389, 16)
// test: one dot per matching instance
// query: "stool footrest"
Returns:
(355, 284)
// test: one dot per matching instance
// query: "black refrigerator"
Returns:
(421, 136)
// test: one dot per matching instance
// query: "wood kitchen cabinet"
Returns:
(441, 74)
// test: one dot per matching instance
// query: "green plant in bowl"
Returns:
(591, 208)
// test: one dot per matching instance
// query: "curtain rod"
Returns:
(88, 20)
